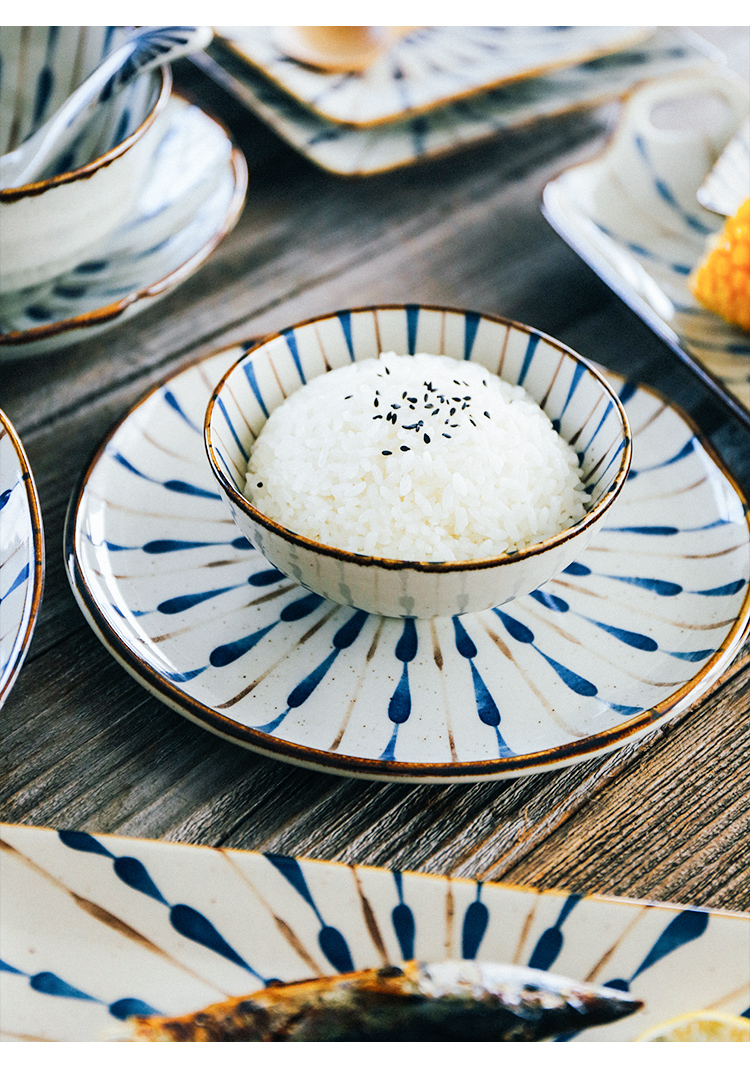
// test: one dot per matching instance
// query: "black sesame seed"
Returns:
(388, 371)
(487, 414)
(395, 406)
(472, 422)
(347, 396)
(375, 403)
(452, 412)
(260, 485)
(412, 399)
(376, 416)
(447, 435)
(436, 411)
(386, 452)
(404, 448)
(425, 438)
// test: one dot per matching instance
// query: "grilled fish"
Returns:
(453, 1001)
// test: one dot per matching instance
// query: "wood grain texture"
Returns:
(84, 746)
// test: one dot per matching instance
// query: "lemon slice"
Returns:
(700, 1027)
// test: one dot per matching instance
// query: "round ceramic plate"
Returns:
(623, 640)
(193, 198)
(21, 556)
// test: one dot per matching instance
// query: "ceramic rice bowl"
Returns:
(574, 396)
(51, 225)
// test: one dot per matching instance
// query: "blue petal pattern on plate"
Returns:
(21, 556)
(623, 640)
(350, 151)
(427, 67)
(103, 950)
(194, 196)
(632, 213)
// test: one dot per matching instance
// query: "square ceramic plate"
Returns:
(428, 67)
(96, 928)
(633, 214)
(361, 152)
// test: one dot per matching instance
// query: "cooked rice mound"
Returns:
(419, 458)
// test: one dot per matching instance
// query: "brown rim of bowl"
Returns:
(210, 719)
(395, 564)
(172, 279)
(36, 188)
(38, 574)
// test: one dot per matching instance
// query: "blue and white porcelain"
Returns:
(633, 214)
(727, 185)
(96, 928)
(21, 556)
(49, 225)
(578, 401)
(622, 641)
(348, 151)
(192, 198)
(427, 67)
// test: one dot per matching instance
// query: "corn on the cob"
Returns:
(722, 282)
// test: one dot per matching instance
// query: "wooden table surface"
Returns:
(85, 747)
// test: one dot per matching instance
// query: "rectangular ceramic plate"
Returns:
(97, 927)
(353, 152)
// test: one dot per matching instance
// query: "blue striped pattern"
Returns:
(21, 556)
(625, 635)
(135, 951)
(647, 237)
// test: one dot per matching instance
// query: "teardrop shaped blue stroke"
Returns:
(487, 710)
(725, 589)
(331, 941)
(174, 485)
(550, 943)
(181, 603)
(476, 920)
(402, 918)
(249, 370)
(21, 578)
(531, 345)
(412, 323)
(551, 602)
(196, 927)
(523, 634)
(225, 654)
(399, 707)
(291, 341)
(131, 1006)
(685, 927)
(265, 578)
(345, 319)
(633, 639)
(46, 982)
(232, 429)
(171, 400)
(471, 326)
(185, 919)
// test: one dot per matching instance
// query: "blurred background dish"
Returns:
(21, 555)
(427, 67)
(446, 129)
(633, 214)
(51, 224)
(191, 198)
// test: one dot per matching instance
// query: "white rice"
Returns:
(420, 458)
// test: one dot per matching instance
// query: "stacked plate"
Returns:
(437, 89)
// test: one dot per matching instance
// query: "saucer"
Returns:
(193, 197)
(430, 66)
(632, 213)
(361, 152)
(622, 641)
(96, 928)
(21, 556)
